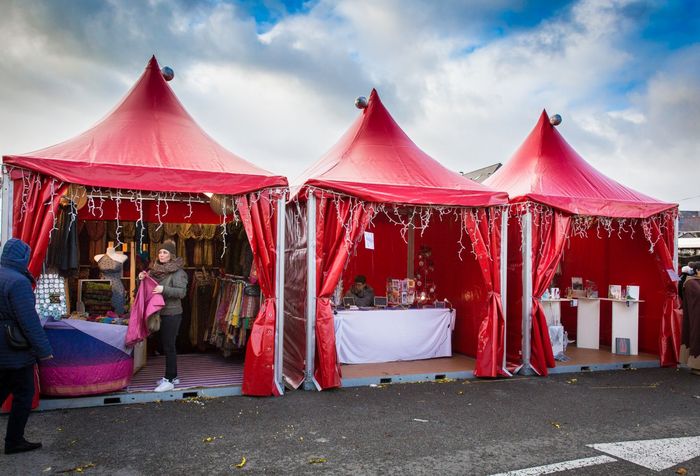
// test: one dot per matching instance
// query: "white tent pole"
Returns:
(525, 367)
(309, 381)
(504, 277)
(5, 206)
(279, 293)
(675, 244)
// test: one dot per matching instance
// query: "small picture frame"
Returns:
(622, 346)
(380, 301)
(348, 301)
(440, 304)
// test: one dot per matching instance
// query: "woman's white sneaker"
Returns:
(175, 381)
(165, 386)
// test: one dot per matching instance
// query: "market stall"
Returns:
(576, 240)
(145, 173)
(374, 205)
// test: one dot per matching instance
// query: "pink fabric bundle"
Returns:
(145, 305)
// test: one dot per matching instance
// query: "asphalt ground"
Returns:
(456, 427)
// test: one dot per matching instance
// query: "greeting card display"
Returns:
(577, 289)
(615, 291)
(401, 291)
(591, 289)
(632, 292)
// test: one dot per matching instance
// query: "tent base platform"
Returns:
(456, 367)
(588, 360)
(201, 375)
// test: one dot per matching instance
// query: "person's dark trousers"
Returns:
(19, 383)
(169, 327)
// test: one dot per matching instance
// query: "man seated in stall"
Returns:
(361, 292)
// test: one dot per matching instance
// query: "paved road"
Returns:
(461, 427)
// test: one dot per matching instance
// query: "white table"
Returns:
(588, 323)
(625, 323)
(388, 335)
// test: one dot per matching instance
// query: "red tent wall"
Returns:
(460, 282)
(387, 260)
(622, 261)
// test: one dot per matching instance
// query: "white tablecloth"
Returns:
(363, 337)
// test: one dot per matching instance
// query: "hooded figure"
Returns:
(690, 331)
(17, 366)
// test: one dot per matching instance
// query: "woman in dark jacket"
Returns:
(172, 283)
(17, 309)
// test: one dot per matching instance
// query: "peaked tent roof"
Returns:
(376, 161)
(149, 142)
(546, 169)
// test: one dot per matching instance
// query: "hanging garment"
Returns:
(170, 230)
(112, 231)
(145, 305)
(156, 232)
(112, 270)
(97, 233)
(128, 231)
(64, 253)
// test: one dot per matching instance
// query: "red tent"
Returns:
(376, 161)
(374, 168)
(150, 143)
(566, 197)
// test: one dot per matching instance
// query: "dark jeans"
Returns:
(169, 328)
(19, 383)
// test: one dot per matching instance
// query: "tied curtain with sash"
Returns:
(484, 229)
(257, 211)
(670, 332)
(548, 238)
(340, 222)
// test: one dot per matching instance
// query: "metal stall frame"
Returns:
(310, 382)
(279, 294)
(525, 367)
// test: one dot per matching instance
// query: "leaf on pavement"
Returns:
(555, 424)
(682, 471)
(317, 460)
(242, 463)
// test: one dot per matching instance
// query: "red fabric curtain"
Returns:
(257, 215)
(548, 237)
(670, 332)
(35, 206)
(484, 230)
(340, 223)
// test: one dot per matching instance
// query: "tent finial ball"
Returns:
(167, 72)
(361, 102)
(555, 120)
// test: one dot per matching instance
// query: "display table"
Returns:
(588, 323)
(625, 325)
(388, 335)
(89, 358)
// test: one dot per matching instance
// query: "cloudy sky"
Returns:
(275, 81)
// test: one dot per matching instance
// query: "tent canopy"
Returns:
(547, 170)
(149, 142)
(376, 161)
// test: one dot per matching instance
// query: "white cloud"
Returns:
(281, 98)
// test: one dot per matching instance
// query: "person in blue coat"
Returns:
(17, 308)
